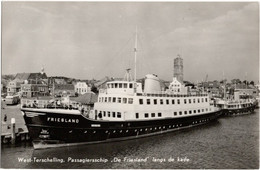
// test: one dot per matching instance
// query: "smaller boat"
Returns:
(237, 107)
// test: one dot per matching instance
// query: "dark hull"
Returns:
(76, 129)
(241, 111)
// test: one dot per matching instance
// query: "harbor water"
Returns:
(229, 142)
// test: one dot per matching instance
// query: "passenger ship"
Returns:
(240, 107)
(123, 111)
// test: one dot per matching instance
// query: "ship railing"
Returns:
(163, 94)
(49, 104)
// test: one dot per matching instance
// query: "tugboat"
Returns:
(123, 111)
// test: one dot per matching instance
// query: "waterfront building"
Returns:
(14, 86)
(63, 90)
(82, 88)
(178, 68)
(176, 87)
(34, 90)
(244, 91)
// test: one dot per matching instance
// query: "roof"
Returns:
(243, 86)
(22, 76)
(87, 98)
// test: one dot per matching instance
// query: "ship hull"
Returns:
(56, 129)
(240, 111)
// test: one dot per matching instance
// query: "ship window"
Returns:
(130, 100)
(125, 85)
(198, 110)
(189, 100)
(194, 101)
(119, 99)
(114, 114)
(120, 85)
(108, 114)
(202, 110)
(185, 112)
(118, 115)
(114, 99)
(136, 115)
(116, 85)
(155, 101)
(148, 101)
(180, 113)
(109, 99)
(167, 101)
(146, 115)
(105, 99)
(173, 101)
(124, 100)
(112, 85)
(140, 101)
(175, 113)
(161, 101)
(206, 100)
(104, 113)
(202, 100)
(159, 114)
(131, 85)
(153, 114)
(184, 101)
(206, 109)
(108, 85)
(198, 100)
(194, 111)
(190, 112)
(178, 101)
(100, 99)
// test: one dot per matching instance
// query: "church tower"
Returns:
(178, 68)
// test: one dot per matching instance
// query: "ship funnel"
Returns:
(152, 84)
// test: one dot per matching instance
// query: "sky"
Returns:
(89, 40)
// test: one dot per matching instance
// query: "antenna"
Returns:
(135, 50)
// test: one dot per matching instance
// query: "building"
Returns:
(34, 90)
(178, 69)
(14, 86)
(244, 91)
(63, 90)
(176, 87)
(82, 88)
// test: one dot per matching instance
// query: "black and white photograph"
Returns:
(129, 85)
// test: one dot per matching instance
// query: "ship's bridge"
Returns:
(122, 87)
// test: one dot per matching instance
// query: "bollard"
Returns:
(12, 130)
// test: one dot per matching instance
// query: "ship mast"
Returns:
(135, 51)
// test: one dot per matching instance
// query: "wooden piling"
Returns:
(13, 134)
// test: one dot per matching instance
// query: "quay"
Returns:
(13, 128)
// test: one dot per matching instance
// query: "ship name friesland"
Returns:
(65, 120)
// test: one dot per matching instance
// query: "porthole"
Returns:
(155, 128)
(70, 131)
(146, 129)
(141, 130)
(106, 131)
(126, 131)
(85, 131)
(151, 128)
(114, 131)
(160, 127)
(135, 130)
(94, 131)
(120, 131)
